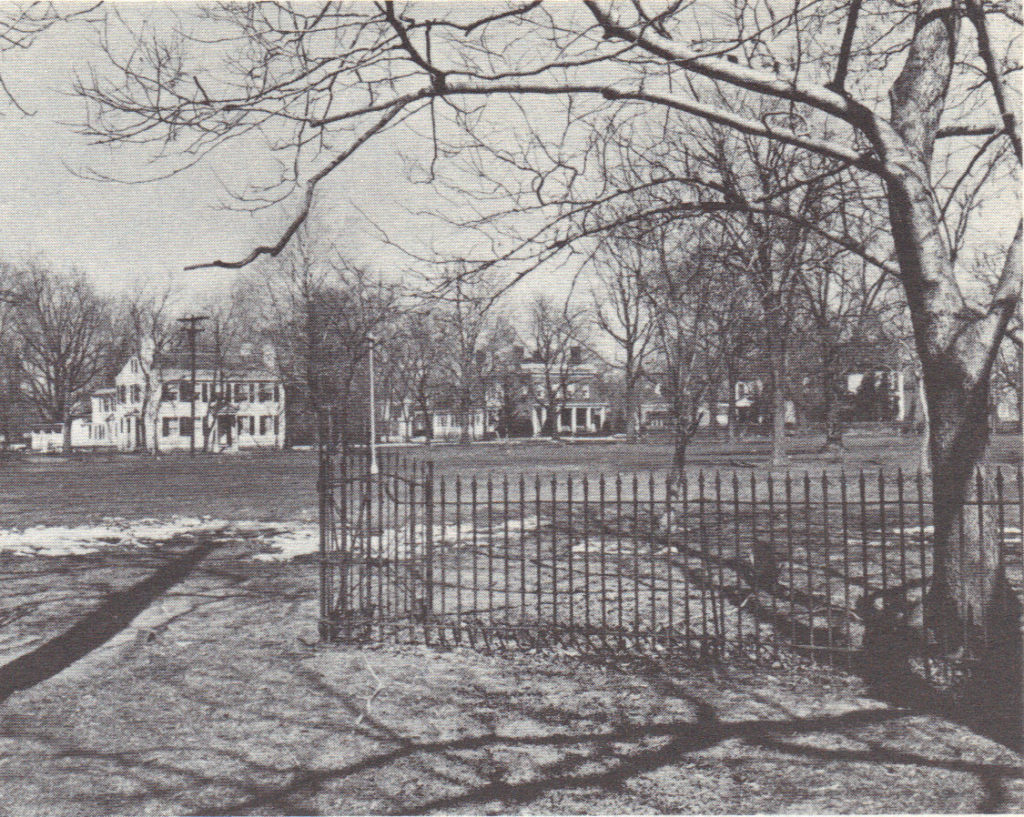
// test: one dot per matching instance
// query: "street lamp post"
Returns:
(373, 414)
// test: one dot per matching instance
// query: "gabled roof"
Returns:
(232, 364)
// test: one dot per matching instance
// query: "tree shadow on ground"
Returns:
(621, 753)
(98, 626)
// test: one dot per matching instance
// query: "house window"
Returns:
(583, 391)
(136, 394)
(170, 424)
(121, 391)
(240, 424)
(277, 395)
(263, 425)
(265, 392)
(185, 426)
(170, 391)
(134, 365)
(204, 389)
(241, 392)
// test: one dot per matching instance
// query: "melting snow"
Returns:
(285, 540)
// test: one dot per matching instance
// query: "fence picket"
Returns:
(827, 572)
(586, 558)
(807, 560)
(922, 541)
(652, 549)
(669, 595)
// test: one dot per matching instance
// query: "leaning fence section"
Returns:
(710, 565)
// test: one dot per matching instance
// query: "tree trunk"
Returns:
(968, 603)
(553, 421)
(967, 562)
(777, 365)
(924, 457)
(67, 433)
(730, 377)
(680, 442)
(956, 347)
(833, 423)
(630, 396)
(632, 425)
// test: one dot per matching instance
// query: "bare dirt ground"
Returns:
(185, 678)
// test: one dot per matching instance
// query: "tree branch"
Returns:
(275, 249)
(838, 82)
(781, 86)
(976, 14)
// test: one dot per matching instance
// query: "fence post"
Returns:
(570, 593)
(923, 556)
(428, 514)
(322, 487)
(338, 613)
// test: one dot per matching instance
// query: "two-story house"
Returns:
(238, 401)
(565, 393)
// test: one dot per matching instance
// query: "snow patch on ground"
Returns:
(288, 541)
(279, 541)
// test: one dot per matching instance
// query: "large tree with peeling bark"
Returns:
(918, 96)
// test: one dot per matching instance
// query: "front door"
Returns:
(225, 427)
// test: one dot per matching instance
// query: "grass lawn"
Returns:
(216, 699)
(280, 486)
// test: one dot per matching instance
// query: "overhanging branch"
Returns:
(307, 202)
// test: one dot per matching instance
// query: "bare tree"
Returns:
(554, 335)
(842, 299)
(319, 311)
(63, 326)
(682, 286)
(466, 322)
(623, 313)
(419, 351)
(310, 77)
(144, 326)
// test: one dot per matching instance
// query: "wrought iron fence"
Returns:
(715, 565)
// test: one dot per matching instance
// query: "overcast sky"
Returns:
(130, 235)
(142, 235)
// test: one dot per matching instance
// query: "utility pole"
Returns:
(191, 327)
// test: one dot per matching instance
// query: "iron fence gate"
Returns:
(714, 565)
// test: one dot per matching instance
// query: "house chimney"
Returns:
(269, 357)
